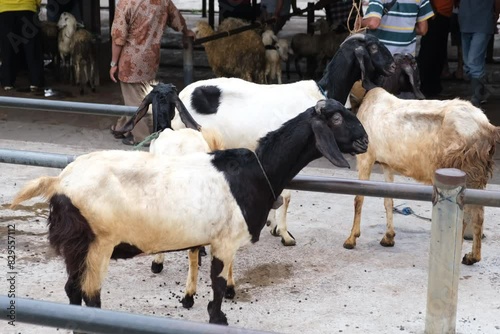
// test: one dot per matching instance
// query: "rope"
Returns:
(265, 175)
(358, 17)
(406, 211)
(147, 140)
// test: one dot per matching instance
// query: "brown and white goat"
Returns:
(415, 138)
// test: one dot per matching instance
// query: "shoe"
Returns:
(8, 88)
(117, 135)
(34, 88)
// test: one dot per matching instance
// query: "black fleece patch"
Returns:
(206, 99)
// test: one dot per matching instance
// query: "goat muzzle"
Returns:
(360, 145)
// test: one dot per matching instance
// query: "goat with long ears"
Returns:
(164, 99)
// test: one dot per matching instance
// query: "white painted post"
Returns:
(445, 251)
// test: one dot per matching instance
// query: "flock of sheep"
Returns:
(237, 142)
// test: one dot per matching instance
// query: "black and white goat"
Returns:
(101, 209)
(242, 111)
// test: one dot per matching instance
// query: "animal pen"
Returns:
(448, 195)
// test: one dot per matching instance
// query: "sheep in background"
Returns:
(276, 51)
(319, 48)
(119, 204)
(415, 138)
(78, 45)
(240, 56)
(83, 58)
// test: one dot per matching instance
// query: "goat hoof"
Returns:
(290, 242)
(275, 232)
(216, 316)
(386, 243)
(230, 293)
(469, 260)
(187, 301)
(349, 245)
(156, 267)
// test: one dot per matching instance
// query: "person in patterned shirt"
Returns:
(399, 26)
(136, 33)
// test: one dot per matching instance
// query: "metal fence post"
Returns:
(445, 251)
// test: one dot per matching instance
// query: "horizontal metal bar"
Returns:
(68, 107)
(94, 320)
(415, 192)
(39, 159)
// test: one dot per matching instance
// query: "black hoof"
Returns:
(230, 293)
(274, 231)
(187, 301)
(156, 267)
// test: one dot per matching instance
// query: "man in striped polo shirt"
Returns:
(398, 26)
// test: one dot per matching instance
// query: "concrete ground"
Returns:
(315, 287)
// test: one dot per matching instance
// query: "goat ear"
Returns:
(361, 55)
(327, 145)
(139, 114)
(416, 90)
(186, 117)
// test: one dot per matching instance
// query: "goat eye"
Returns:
(373, 48)
(337, 119)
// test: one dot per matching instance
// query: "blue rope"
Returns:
(406, 211)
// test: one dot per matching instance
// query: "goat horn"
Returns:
(320, 105)
(360, 37)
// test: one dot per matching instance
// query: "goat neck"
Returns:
(345, 69)
(328, 130)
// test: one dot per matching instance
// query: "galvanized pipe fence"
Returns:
(95, 320)
(448, 195)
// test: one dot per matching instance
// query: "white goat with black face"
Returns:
(118, 204)
(242, 111)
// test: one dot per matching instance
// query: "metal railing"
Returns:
(323, 184)
(95, 320)
(448, 196)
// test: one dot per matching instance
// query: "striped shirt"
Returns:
(397, 27)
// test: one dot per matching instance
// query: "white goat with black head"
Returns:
(242, 112)
(221, 199)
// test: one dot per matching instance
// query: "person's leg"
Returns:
(466, 42)
(476, 60)
(433, 55)
(33, 47)
(9, 43)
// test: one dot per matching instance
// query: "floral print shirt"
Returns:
(138, 27)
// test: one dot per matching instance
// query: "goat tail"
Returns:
(213, 138)
(44, 186)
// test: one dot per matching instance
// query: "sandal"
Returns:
(117, 135)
